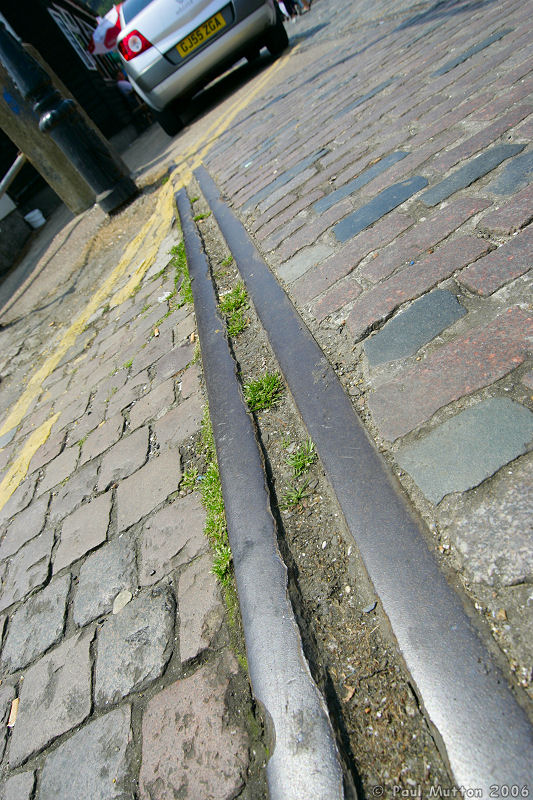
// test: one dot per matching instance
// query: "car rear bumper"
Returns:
(183, 79)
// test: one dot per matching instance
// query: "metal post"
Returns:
(12, 173)
(59, 117)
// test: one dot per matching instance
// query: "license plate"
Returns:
(199, 36)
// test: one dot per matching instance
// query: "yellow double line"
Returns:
(143, 249)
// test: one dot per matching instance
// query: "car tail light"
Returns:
(133, 44)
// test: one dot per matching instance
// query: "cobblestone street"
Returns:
(383, 168)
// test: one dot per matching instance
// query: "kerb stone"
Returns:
(188, 718)
(99, 752)
(468, 448)
(54, 698)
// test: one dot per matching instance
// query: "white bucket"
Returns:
(35, 218)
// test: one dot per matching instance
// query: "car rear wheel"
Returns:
(276, 39)
(169, 119)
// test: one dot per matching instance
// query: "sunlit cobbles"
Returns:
(103, 575)
(474, 169)
(385, 201)
(134, 646)
(101, 754)
(50, 708)
(36, 625)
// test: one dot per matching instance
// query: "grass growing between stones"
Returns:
(264, 392)
(213, 502)
(233, 305)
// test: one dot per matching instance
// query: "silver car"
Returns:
(171, 48)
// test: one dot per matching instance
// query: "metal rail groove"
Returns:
(482, 730)
(304, 762)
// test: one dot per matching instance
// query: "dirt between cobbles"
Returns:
(385, 740)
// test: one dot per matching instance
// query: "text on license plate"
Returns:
(203, 32)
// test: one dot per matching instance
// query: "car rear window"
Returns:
(132, 7)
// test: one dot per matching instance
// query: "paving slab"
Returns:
(143, 491)
(455, 369)
(189, 718)
(501, 266)
(171, 538)
(19, 500)
(516, 175)
(134, 646)
(468, 448)
(362, 179)
(54, 697)
(173, 362)
(57, 470)
(101, 755)
(410, 329)
(82, 531)
(105, 573)
(102, 438)
(296, 266)
(153, 405)
(36, 625)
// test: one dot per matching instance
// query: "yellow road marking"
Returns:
(17, 472)
(145, 247)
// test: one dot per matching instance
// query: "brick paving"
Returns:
(436, 103)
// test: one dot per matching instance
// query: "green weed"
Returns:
(233, 305)
(199, 217)
(264, 392)
(294, 495)
(302, 459)
(182, 281)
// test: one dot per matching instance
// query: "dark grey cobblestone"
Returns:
(472, 171)
(36, 625)
(55, 697)
(134, 646)
(105, 573)
(101, 754)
